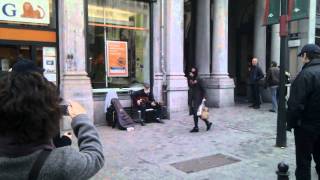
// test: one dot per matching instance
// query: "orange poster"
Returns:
(117, 59)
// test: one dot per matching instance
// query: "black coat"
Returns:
(304, 102)
(256, 75)
(197, 93)
(142, 95)
(273, 76)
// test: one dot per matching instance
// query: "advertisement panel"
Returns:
(25, 11)
(117, 59)
(50, 63)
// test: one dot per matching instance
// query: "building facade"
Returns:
(93, 46)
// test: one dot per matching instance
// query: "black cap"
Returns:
(310, 48)
(25, 65)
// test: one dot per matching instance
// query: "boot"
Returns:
(209, 124)
(194, 130)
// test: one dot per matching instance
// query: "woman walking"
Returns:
(196, 96)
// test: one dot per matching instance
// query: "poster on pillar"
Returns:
(50, 64)
(117, 59)
(297, 10)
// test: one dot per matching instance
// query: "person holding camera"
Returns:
(30, 114)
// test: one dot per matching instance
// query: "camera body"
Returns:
(64, 109)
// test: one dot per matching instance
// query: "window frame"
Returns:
(105, 90)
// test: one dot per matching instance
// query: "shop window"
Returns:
(118, 41)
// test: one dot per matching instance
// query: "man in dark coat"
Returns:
(256, 75)
(144, 100)
(303, 114)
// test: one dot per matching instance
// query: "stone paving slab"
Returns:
(239, 132)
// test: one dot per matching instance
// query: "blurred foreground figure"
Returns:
(304, 112)
(30, 115)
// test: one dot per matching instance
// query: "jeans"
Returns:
(274, 95)
(307, 144)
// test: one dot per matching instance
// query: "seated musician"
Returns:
(144, 100)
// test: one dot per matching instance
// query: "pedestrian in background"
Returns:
(272, 81)
(197, 94)
(194, 72)
(255, 76)
(303, 114)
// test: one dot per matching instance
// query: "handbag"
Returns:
(201, 107)
(199, 112)
(205, 113)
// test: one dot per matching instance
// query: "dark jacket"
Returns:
(304, 102)
(256, 75)
(273, 76)
(197, 94)
(142, 95)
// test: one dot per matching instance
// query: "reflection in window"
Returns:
(124, 21)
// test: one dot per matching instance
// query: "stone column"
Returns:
(275, 44)
(75, 84)
(220, 87)
(312, 21)
(202, 53)
(260, 34)
(157, 74)
(177, 84)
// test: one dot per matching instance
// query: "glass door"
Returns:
(43, 56)
(10, 53)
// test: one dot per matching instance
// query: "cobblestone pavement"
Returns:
(239, 132)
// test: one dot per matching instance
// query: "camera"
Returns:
(64, 109)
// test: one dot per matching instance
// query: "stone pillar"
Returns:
(75, 84)
(202, 53)
(220, 87)
(260, 34)
(157, 74)
(312, 21)
(177, 84)
(275, 44)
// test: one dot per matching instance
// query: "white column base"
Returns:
(177, 94)
(220, 91)
(77, 86)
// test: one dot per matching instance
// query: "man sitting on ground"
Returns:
(144, 100)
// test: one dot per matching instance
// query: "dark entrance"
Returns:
(241, 39)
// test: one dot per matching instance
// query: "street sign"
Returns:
(297, 10)
(272, 12)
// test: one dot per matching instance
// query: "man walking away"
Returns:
(256, 75)
(303, 114)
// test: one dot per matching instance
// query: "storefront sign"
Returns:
(117, 59)
(25, 11)
(297, 10)
(50, 63)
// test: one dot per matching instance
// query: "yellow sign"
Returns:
(117, 59)
(25, 11)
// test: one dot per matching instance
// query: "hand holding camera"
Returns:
(75, 109)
